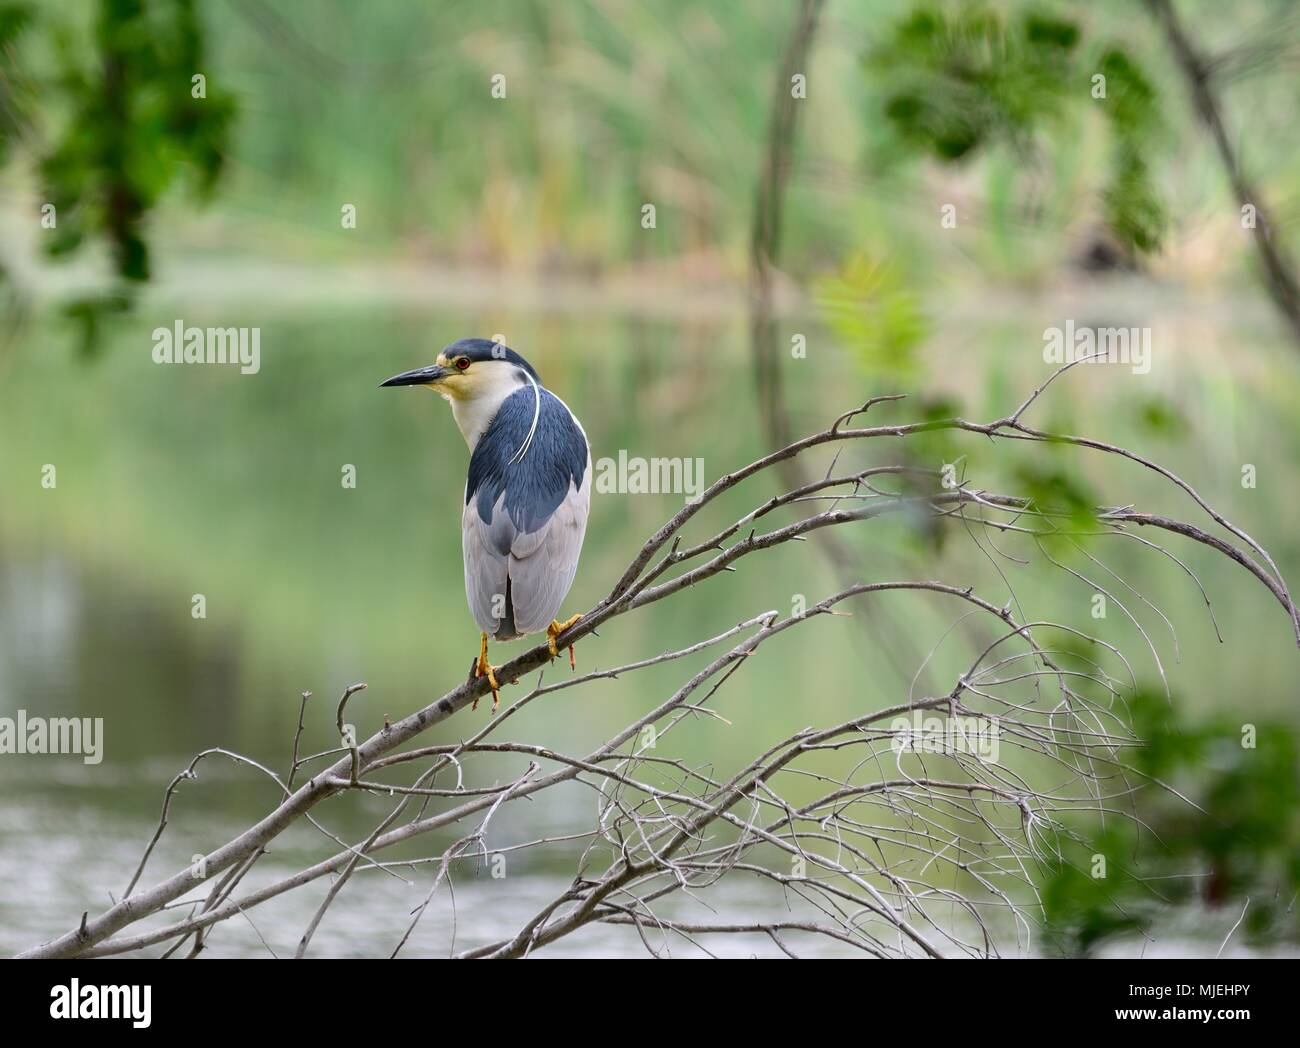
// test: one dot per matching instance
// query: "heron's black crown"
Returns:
(485, 349)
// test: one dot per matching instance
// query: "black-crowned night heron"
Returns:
(527, 495)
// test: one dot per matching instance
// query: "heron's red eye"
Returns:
(462, 363)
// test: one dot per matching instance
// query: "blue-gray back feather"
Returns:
(525, 516)
(536, 483)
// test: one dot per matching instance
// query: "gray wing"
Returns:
(542, 564)
(486, 562)
(515, 581)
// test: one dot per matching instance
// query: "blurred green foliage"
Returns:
(1242, 844)
(601, 108)
(126, 114)
(135, 121)
(868, 305)
(1161, 417)
(1068, 505)
(14, 19)
(969, 78)
(388, 106)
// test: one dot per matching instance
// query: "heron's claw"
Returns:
(484, 669)
(553, 631)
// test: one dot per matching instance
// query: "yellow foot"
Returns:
(484, 669)
(553, 631)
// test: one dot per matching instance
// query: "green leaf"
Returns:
(869, 308)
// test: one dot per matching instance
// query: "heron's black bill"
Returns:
(418, 377)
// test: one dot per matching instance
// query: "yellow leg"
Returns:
(553, 631)
(484, 669)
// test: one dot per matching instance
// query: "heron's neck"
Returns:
(473, 414)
